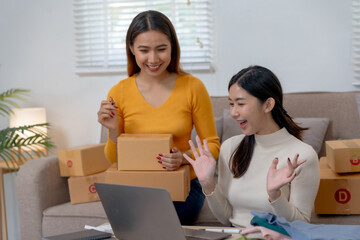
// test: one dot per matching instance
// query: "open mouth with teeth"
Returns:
(243, 123)
(154, 67)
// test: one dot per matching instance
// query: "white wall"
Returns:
(305, 42)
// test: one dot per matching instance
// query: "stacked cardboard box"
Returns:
(339, 191)
(137, 165)
(84, 166)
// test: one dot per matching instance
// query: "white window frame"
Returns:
(100, 40)
(356, 41)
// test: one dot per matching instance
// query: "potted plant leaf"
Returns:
(13, 140)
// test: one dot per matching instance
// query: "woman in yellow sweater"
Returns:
(159, 97)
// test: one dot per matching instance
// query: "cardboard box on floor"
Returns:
(139, 151)
(83, 160)
(82, 189)
(338, 193)
(343, 155)
(177, 183)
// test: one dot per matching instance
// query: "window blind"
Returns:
(101, 26)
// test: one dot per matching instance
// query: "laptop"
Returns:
(136, 212)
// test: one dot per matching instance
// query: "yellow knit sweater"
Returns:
(189, 104)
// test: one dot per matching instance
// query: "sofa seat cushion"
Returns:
(67, 217)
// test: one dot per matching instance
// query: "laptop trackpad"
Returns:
(202, 234)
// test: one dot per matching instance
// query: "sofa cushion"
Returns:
(314, 136)
(67, 217)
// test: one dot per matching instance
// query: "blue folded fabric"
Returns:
(258, 221)
(299, 230)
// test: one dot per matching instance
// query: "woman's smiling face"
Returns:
(152, 51)
(248, 111)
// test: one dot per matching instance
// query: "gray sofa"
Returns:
(43, 197)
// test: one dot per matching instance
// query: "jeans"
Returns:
(189, 210)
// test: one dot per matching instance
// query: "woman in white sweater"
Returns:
(268, 168)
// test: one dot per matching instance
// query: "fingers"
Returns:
(297, 163)
(189, 159)
(290, 178)
(209, 155)
(274, 163)
(198, 142)
(301, 162)
(206, 145)
(107, 110)
(193, 149)
(290, 165)
(171, 161)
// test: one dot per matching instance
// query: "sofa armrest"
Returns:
(38, 186)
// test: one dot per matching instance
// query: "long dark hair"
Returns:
(261, 83)
(152, 20)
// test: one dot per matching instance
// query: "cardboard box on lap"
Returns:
(83, 160)
(139, 151)
(82, 189)
(177, 183)
(343, 155)
(338, 193)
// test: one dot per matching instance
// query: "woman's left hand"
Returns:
(171, 161)
(276, 178)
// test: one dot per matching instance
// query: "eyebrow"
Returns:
(161, 45)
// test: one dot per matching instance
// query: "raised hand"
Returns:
(276, 178)
(108, 117)
(204, 165)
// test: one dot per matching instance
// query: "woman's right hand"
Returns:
(108, 117)
(204, 165)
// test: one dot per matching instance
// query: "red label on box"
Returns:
(342, 196)
(92, 188)
(69, 163)
(355, 161)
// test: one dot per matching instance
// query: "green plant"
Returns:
(13, 141)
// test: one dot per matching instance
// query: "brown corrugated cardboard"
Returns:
(176, 182)
(343, 155)
(139, 151)
(83, 160)
(82, 189)
(338, 193)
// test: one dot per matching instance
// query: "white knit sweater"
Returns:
(233, 198)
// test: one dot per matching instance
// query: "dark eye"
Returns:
(143, 50)
(162, 49)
